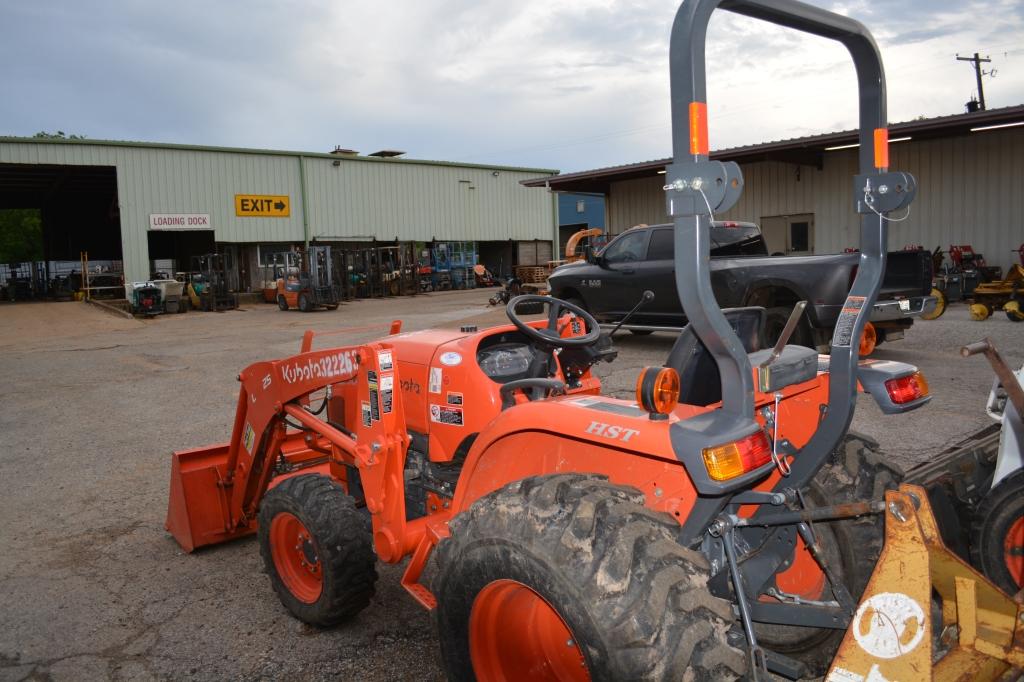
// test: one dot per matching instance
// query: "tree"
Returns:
(59, 135)
(21, 235)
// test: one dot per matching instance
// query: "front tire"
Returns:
(282, 302)
(554, 577)
(998, 527)
(305, 304)
(318, 550)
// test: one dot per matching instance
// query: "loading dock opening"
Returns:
(79, 209)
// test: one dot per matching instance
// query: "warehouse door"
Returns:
(790, 235)
(533, 253)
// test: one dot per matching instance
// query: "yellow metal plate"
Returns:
(262, 206)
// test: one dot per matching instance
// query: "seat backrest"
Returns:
(699, 381)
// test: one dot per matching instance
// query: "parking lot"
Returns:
(91, 586)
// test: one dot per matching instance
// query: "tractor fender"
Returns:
(587, 434)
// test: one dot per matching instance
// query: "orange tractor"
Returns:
(723, 523)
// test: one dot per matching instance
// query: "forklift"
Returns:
(312, 285)
(208, 285)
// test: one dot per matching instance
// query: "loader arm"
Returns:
(216, 491)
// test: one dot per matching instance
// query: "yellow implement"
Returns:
(890, 638)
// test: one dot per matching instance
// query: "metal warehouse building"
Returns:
(141, 203)
(969, 169)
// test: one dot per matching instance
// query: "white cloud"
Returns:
(563, 85)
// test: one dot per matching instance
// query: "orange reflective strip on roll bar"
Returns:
(881, 147)
(699, 128)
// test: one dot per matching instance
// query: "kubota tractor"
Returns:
(722, 523)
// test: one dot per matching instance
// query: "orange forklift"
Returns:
(311, 285)
(722, 524)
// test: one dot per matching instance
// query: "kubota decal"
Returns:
(339, 364)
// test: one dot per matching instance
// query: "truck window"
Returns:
(662, 245)
(627, 248)
(741, 240)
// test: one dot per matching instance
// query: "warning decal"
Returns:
(387, 389)
(454, 398)
(384, 358)
(435, 380)
(442, 414)
(843, 335)
(374, 398)
(248, 437)
(366, 412)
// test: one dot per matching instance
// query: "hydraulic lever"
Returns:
(787, 331)
(647, 297)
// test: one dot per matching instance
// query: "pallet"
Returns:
(531, 274)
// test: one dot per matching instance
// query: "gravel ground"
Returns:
(92, 587)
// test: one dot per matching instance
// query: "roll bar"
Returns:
(697, 187)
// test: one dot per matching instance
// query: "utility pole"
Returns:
(978, 73)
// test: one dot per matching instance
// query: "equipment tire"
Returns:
(282, 302)
(632, 603)
(775, 321)
(305, 305)
(338, 541)
(940, 306)
(998, 526)
(855, 472)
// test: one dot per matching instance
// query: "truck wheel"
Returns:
(998, 526)
(856, 472)
(775, 321)
(569, 577)
(282, 302)
(318, 550)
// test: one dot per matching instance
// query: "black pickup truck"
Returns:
(610, 283)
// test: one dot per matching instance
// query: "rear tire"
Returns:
(998, 526)
(775, 322)
(635, 603)
(852, 546)
(282, 302)
(318, 550)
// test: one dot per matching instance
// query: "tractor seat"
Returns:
(699, 380)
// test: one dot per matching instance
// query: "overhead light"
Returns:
(1001, 125)
(857, 144)
(661, 172)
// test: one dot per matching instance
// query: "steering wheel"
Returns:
(550, 336)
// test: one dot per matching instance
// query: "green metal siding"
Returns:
(359, 198)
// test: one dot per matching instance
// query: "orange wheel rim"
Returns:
(868, 340)
(296, 557)
(1013, 551)
(515, 634)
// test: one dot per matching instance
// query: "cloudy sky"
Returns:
(569, 85)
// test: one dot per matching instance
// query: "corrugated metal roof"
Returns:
(796, 149)
(269, 152)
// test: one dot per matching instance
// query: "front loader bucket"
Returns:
(197, 510)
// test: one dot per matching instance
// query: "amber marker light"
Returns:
(657, 389)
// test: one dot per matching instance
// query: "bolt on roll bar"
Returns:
(697, 187)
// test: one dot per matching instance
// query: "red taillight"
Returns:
(729, 223)
(735, 459)
(907, 389)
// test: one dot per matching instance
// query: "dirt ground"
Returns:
(92, 587)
